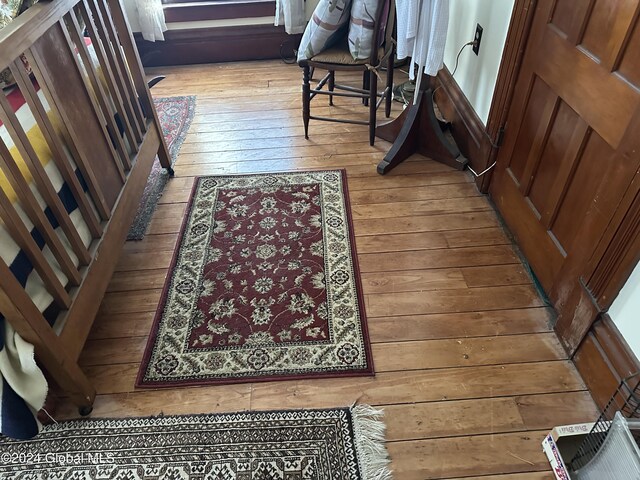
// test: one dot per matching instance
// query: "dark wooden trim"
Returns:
(622, 253)
(466, 127)
(604, 359)
(512, 56)
(218, 10)
(611, 265)
(474, 138)
(603, 268)
(216, 44)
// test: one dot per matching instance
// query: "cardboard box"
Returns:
(561, 444)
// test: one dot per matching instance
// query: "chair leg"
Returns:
(389, 98)
(365, 85)
(373, 100)
(331, 85)
(306, 100)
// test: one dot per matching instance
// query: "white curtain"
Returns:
(292, 14)
(151, 18)
(422, 34)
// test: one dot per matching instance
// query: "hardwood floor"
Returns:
(469, 372)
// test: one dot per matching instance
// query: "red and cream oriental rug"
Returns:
(175, 115)
(264, 285)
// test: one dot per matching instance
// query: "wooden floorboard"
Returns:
(469, 371)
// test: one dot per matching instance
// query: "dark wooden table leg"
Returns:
(418, 130)
(403, 132)
(153, 80)
(433, 141)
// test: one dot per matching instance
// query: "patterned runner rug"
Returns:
(345, 444)
(175, 115)
(264, 285)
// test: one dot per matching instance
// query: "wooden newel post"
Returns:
(418, 130)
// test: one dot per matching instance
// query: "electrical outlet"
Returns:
(477, 39)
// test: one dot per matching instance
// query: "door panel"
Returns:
(631, 59)
(589, 173)
(567, 157)
(557, 163)
(540, 108)
(606, 29)
(605, 101)
(567, 17)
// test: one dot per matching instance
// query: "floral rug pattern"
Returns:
(264, 284)
(175, 115)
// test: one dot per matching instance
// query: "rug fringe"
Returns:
(369, 431)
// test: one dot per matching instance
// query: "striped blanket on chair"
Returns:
(23, 387)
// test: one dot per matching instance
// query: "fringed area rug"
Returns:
(175, 115)
(344, 444)
(264, 285)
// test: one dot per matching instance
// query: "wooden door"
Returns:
(572, 139)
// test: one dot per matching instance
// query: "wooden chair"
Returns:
(338, 58)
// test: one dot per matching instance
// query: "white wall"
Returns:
(477, 75)
(625, 311)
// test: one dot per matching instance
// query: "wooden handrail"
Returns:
(88, 152)
(28, 27)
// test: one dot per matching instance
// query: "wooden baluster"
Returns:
(115, 41)
(101, 115)
(71, 138)
(19, 233)
(119, 76)
(20, 311)
(109, 76)
(32, 207)
(55, 145)
(137, 72)
(41, 178)
(76, 37)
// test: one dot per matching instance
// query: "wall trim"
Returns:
(467, 129)
(609, 263)
(604, 359)
(512, 56)
(612, 268)
(474, 139)
(216, 44)
(218, 10)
